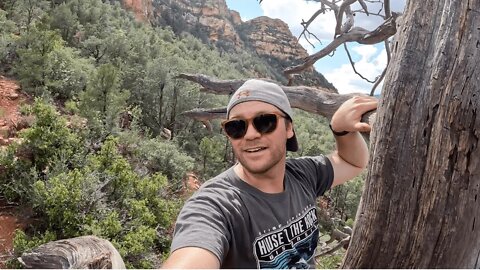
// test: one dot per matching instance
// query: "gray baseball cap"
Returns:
(258, 90)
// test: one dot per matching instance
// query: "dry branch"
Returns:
(353, 65)
(388, 12)
(212, 85)
(364, 6)
(85, 252)
(340, 244)
(314, 100)
(344, 8)
(356, 34)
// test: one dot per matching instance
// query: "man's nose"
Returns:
(252, 132)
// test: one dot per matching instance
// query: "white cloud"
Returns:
(370, 61)
(371, 64)
(293, 11)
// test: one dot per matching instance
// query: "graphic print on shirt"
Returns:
(290, 246)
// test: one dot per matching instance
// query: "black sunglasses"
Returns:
(264, 123)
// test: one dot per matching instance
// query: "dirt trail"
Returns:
(8, 224)
(11, 98)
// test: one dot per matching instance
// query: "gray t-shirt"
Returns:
(247, 228)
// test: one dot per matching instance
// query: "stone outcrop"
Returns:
(202, 17)
(272, 37)
(143, 9)
(264, 35)
(213, 22)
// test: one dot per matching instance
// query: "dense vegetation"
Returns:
(94, 160)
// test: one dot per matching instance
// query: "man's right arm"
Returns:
(191, 257)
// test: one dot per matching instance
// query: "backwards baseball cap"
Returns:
(258, 90)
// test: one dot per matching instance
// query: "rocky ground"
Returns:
(11, 99)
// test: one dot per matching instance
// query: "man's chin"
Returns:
(255, 167)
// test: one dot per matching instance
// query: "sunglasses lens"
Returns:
(265, 123)
(235, 129)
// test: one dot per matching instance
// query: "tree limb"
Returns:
(388, 12)
(314, 100)
(344, 7)
(212, 85)
(378, 81)
(364, 6)
(335, 248)
(387, 49)
(353, 65)
(306, 24)
(331, 5)
(358, 34)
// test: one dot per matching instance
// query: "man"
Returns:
(261, 212)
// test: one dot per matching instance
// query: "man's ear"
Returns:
(289, 127)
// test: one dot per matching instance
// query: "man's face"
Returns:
(258, 153)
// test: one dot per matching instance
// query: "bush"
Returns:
(164, 157)
(48, 148)
(108, 199)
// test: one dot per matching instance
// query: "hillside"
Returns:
(212, 22)
(11, 217)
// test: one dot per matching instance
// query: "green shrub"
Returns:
(108, 199)
(48, 148)
(165, 157)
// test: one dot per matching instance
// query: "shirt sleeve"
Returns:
(318, 171)
(201, 223)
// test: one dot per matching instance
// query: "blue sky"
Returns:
(370, 60)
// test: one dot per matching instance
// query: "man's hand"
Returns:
(352, 155)
(349, 114)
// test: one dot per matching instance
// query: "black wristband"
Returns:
(336, 133)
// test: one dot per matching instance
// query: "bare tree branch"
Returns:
(387, 49)
(339, 17)
(307, 39)
(382, 76)
(378, 81)
(360, 35)
(379, 14)
(212, 85)
(206, 115)
(364, 6)
(388, 12)
(353, 64)
(335, 248)
(319, 101)
(307, 24)
(331, 5)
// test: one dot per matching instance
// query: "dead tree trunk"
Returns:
(85, 252)
(420, 207)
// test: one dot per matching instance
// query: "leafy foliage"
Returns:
(103, 101)
(47, 147)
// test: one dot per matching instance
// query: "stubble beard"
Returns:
(267, 163)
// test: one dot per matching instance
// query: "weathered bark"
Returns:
(420, 205)
(86, 252)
